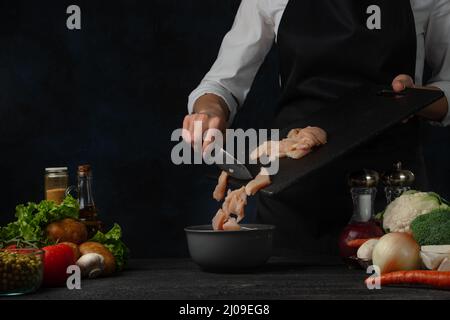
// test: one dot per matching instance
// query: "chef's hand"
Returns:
(434, 112)
(212, 112)
(402, 82)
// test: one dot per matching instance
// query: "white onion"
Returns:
(395, 252)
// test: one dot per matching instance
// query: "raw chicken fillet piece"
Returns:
(261, 181)
(235, 202)
(221, 188)
(298, 144)
(231, 225)
(219, 219)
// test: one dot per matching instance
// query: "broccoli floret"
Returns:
(432, 228)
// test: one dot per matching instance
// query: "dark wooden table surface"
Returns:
(281, 278)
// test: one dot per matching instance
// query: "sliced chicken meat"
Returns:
(219, 219)
(221, 188)
(231, 225)
(298, 144)
(232, 208)
(235, 202)
(267, 148)
(261, 181)
(309, 137)
(275, 149)
(298, 153)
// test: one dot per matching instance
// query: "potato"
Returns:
(67, 230)
(95, 247)
(75, 249)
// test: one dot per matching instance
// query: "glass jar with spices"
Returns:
(56, 183)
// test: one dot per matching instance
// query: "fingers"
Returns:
(402, 82)
(186, 125)
(213, 127)
(197, 126)
(201, 130)
(194, 125)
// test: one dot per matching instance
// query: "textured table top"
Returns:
(281, 278)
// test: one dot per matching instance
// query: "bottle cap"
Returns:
(84, 168)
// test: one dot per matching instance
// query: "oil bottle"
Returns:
(88, 211)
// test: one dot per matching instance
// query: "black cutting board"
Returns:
(353, 121)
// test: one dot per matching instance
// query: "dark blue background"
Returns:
(111, 95)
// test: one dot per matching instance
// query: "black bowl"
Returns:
(230, 251)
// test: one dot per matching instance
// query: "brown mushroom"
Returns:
(67, 230)
(95, 247)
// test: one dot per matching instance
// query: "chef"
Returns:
(327, 49)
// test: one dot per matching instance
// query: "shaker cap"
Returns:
(364, 178)
(398, 176)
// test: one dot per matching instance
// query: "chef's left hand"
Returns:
(435, 112)
(402, 82)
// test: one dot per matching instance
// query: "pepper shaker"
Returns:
(397, 181)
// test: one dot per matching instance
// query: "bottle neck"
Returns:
(363, 204)
(85, 195)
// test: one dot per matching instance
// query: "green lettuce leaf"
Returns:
(112, 241)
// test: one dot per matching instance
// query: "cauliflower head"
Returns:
(401, 212)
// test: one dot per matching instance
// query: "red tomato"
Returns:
(56, 261)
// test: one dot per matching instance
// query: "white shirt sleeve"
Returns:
(243, 50)
(437, 46)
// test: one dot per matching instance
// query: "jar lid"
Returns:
(364, 178)
(56, 170)
(398, 176)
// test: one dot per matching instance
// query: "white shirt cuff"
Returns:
(214, 88)
(445, 87)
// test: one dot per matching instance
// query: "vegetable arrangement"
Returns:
(32, 219)
(64, 240)
(417, 226)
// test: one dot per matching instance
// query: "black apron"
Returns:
(327, 51)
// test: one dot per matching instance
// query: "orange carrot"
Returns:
(436, 279)
(356, 243)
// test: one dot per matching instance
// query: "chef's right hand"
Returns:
(212, 112)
